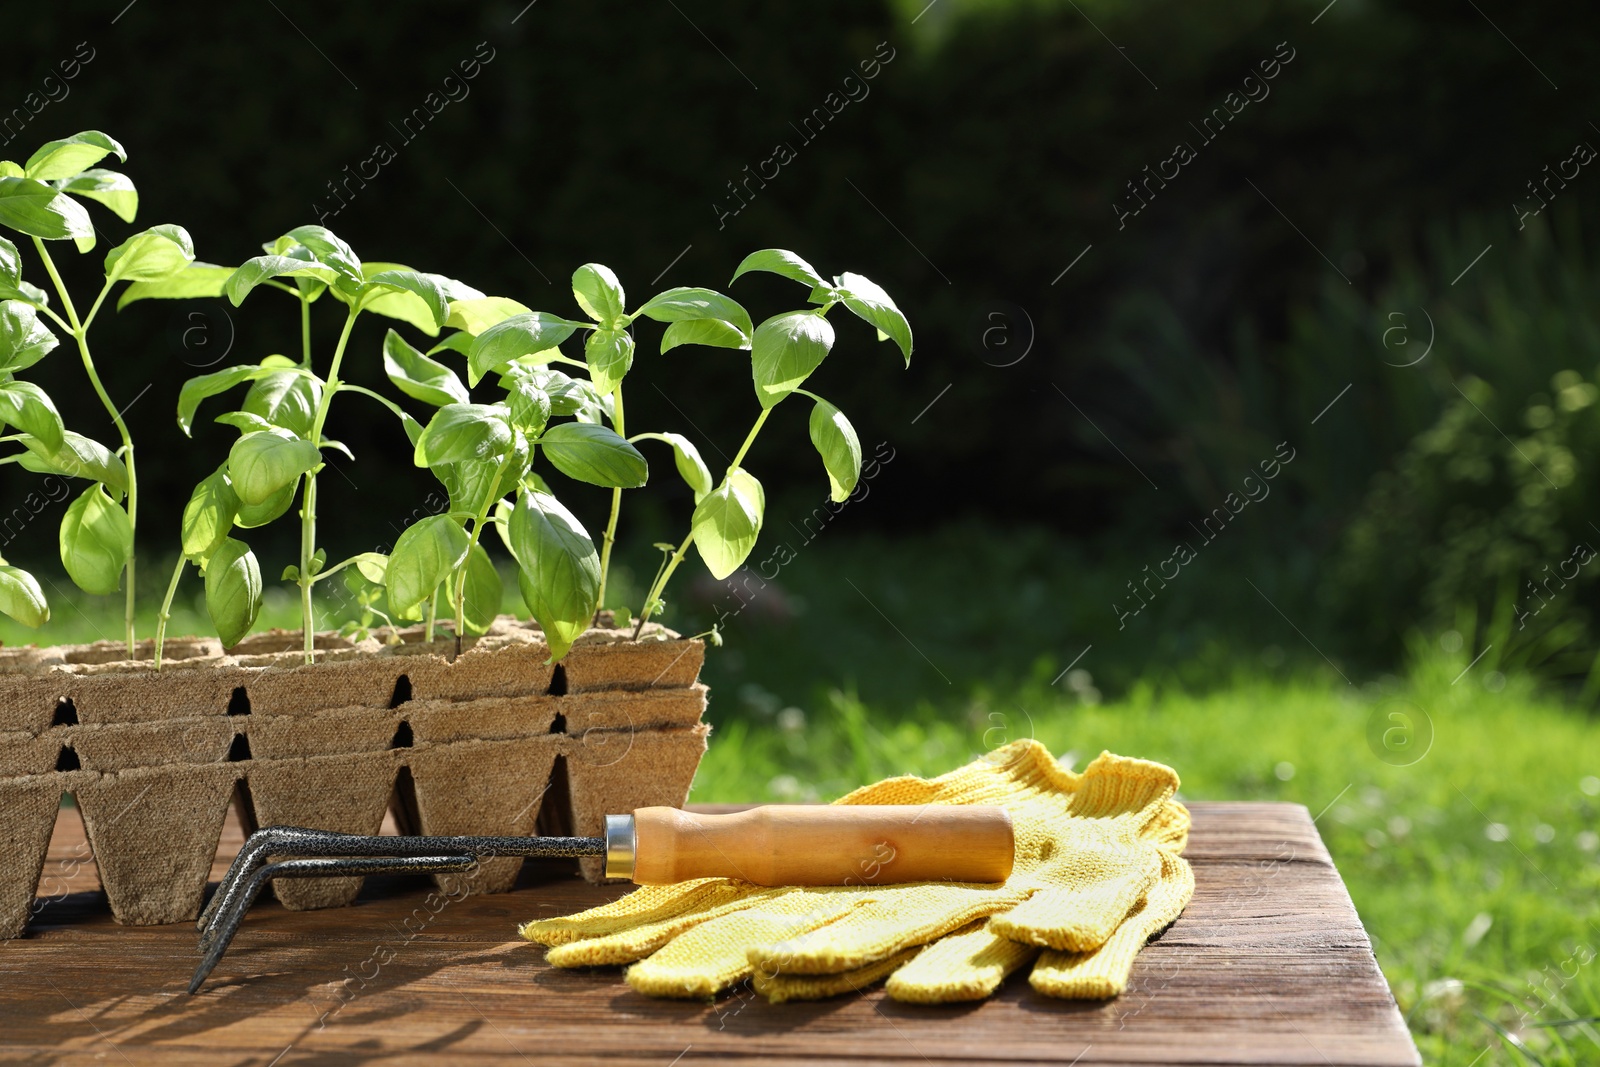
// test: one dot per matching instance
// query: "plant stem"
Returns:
(433, 610)
(308, 549)
(308, 498)
(661, 583)
(478, 521)
(166, 609)
(305, 331)
(80, 333)
(677, 557)
(749, 439)
(617, 423)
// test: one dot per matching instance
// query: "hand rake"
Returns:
(771, 846)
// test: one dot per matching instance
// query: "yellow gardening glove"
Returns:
(1097, 871)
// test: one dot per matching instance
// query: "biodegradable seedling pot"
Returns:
(493, 741)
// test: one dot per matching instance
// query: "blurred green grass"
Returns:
(1475, 869)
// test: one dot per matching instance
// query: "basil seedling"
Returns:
(39, 198)
(283, 419)
(486, 454)
(784, 351)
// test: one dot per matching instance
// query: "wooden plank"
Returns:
(1269, 965)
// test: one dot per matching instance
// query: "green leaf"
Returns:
(208, 516)
(785, 350)
(253, 515)
(568, 395)
(460, 341)
(691, 467)
(372, 566)
(24, 340)
(329, 249)
(513, 338)
(21, 598)
(473, 316)
(464, 433)
(262, 463)
(471, 485)
(867, 300)
(558, 568)
(78, 457)
(529, 406)
(609, 354)
(727, 522)
(599, 293)
(594, 454)
(419, 377)
(693, 305)
(71, 155)
(454, 290)
(308, 287)
(39, 210)
(244, 421)
(151, 256)
(25, 406)
(779, 261)
(502, 524)
(337, 446)
(96, 541)
(712, 332)
(252, 272)
(285, 398)
(483, 593)
(425, 554)
(413, 429)
(198, 388)
(233, 590)
(26, 292)
(10, 264)
(108, 187)
(410, 296)
(195, 280)
(840, 448)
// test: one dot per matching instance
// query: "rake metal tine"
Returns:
(217, 938)
(269, 841)
(294, 841)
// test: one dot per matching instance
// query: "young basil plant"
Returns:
(40, 198)
(486, 454)
(483, 453)
(283, 418)
(784, 351)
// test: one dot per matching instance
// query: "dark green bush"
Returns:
(1487, 518)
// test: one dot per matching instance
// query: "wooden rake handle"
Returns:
(847, 844)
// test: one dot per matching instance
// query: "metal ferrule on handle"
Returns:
(622, 846)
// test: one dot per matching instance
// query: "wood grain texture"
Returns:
(825, 844)
(1269, 965)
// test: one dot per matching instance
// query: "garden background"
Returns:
(1307, 290)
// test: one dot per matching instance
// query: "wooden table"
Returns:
(1269, 965)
